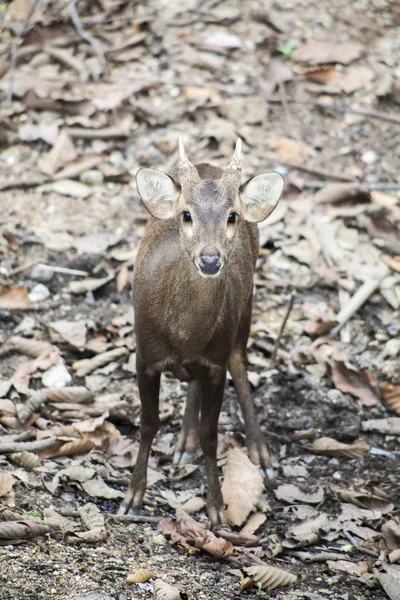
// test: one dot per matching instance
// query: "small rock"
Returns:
(92, 177)
(369, 157)
(159, 540)
(392, 348)
(41, 273)
(39, 292)
(27, 325)
(69, 187)
(57, 376)
(336, 398)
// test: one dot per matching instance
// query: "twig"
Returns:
(356, 301)
(64, 57)
(278, 339)
(14, 49)
(314, 170)
(358, 547)
(87, 37)
(358, 187)
(36, 446)
(68, 512)
(114, 131)
(64, 270)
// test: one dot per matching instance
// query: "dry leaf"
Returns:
(98, 488)
(383, 199)
(269, 577)
(91, 516)
(242, 486)
(349, 567)
(139, 576)
(391, 582)
(357, 383)
(25, 459)
(30, 368)
(164, 591)
(93, 536)
(15, 530)
(193, 505)
(89, 285)
(328, 51)
(390, 393)
(62, 153)
(391, 534)
(306, 533)
(16, 298)
(336, 192)
(289, 148)
(391, 261)
(30, 347)
(56, 521)
(68, 449)
(349, 81)
(254, 523)
(73, 332)
(78, 394)
(291, 493)
(332, 447)
(6, 483)
(364, 500)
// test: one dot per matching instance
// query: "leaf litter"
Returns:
(76, 130)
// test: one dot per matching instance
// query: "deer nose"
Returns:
(209, 265)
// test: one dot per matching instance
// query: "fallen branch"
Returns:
(68, 512)
(14, 49)
(278, 339)
(357, 187)
(356, 301)
(358, 547)
(36, 446)
(87, 37)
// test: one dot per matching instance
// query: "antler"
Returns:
(236, 162)
(187, 172)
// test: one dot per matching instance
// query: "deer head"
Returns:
(209, 212)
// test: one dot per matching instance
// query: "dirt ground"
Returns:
(90, 92)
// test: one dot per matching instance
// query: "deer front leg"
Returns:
(149, 389)
(255, 441)
(211, 395)
(189, 435)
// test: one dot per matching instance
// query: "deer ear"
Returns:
(158, 191)
(260, 195)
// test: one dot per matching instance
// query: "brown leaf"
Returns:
(391, 534)
(239, 538)
(269, 577)
(30, 347)
(367, 501)
(306, 533)
(332, 447)
(86, 366)
(349, 567)
(93, 536)
(383, 199)
(353, 79)
(139, 576)
(16, 298)
(56, 521)
(193, 505)
(62, 153)
(68, 449)
(73, 332)
(291, 493)
(78, 394)
(30, 368)
(357, 383)
(254, 523)
(89, 285)
(91, 516)
(289, 148)
(164, 591)
(391, 261)
(336, 192)
(390, 582)
(98, 488)
(390, 393)
(15, 530)
(242, 486)
(6, 483)
(328, 51)
(28, 460)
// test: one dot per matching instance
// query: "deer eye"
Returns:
(187, 217)
(232, 217)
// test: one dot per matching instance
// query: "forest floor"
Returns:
(91, 91)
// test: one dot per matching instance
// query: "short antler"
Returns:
(187, 171)
(236, 162)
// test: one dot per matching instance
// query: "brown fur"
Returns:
(195, 326)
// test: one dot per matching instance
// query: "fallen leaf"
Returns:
(13, 531)
(91, 516)
(391, 261)
(383, 199)
(332, 447)
(56, 521)
(42, 131)
(390, 582)
(328, 51)
(69, 187)
(306, 533)
(357, 383)
(62, 153)
(291, 493)
(16, 298)
(337, 192)
(31, 368)
(364, 500)
(254, 523)
(349, 567)
(98, 488)
(6, 483)
(78, 394)
(269, 577)
(139, 576)
(89, 285)
(68, 449)
(391, 395)
(96, 243)
(242, 486)
(193, 505)
(289, 148)
(73, 332)
(28, 460)
(164, 591)
(391, 534)
(355, 78)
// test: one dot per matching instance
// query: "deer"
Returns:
(192, 297)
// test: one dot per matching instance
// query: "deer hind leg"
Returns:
(149, 389)
(255, 441)
(189, 436)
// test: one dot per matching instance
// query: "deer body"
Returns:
(192, 296)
